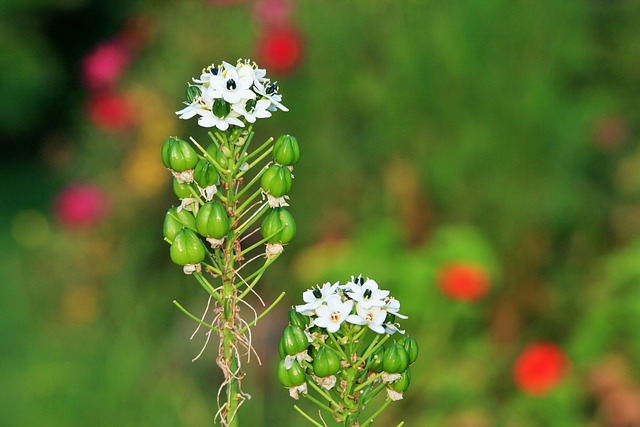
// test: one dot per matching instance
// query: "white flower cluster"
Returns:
(359, 302)
(227, 95)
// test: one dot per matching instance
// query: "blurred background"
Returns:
(478, 159)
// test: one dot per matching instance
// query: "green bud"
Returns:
(286, 150)
(175, 221)
(298, 319)
(205, 174)
(411, 346)
(218, 156)
(292, 377)
(403, 383)
(276, 180)
(326, 363)
(187, 248)
(181, 189)
(178, 155)
(294, 340)
(274, 220)
(212, 220)
(375, 360)
(395, 359)
(221, 108)
(192, 93)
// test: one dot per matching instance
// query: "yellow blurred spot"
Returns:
(144, 172)
(30, 228)
(81, 304)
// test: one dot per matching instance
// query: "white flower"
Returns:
(373, 317)
(230, 86)
(269, 90)
(315, 297)
(252, 109)
(392, 306)
(392, 328)
(333, 313)
(366, 294)
(208, 119)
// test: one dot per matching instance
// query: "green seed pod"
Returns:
(221, 159)
(220, 108)
(411, 346)
(181, 189)
(187, 248)
(403, 383)
(295, 318)
(286, 150)
(326, 363)
(294, 340)
(281, 351)
(395, 359)
(375, 360)
(175, 221)
(276, 180)
(178, 155)
(292, 377)
(212, 220)
(192, 93)
(278, 219)
(205, 174)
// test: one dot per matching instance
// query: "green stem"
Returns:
(207, 287)
(252, 219)
(372, 349)
(375, 414)
(249, 200)
(255, 162)
(369, 381)
(257, 150)
(338, 346)
(262, 242)
(314, 422)
(318, 403)
(258, 274)
(195, 194)
(203, 323)
(264, 313)
(253, 181)
(323, 394)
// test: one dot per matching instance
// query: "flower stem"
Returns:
(304, 414)
(264, 313)
(202, 322)
(375, 414)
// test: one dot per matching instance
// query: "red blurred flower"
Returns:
(539, 368)
(273, 12)
(111, 112)
(461, 281)
(105, 64)
(280, 50)
(81, 205)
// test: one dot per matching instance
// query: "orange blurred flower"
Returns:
(462, 281)
(539, 368)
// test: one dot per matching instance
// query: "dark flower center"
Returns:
(231, 84)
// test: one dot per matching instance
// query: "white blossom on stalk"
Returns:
(315, 297)
(366, 294)
(208, 120)
(252, 110)
(373, 317)
(333, 313)
(230, 86)
(392, 305)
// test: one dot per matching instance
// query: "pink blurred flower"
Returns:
(280, 50)
(81, 205)
(464, 282)
(105, 64)
(539, 368)
(110, 111)
(273, 13)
